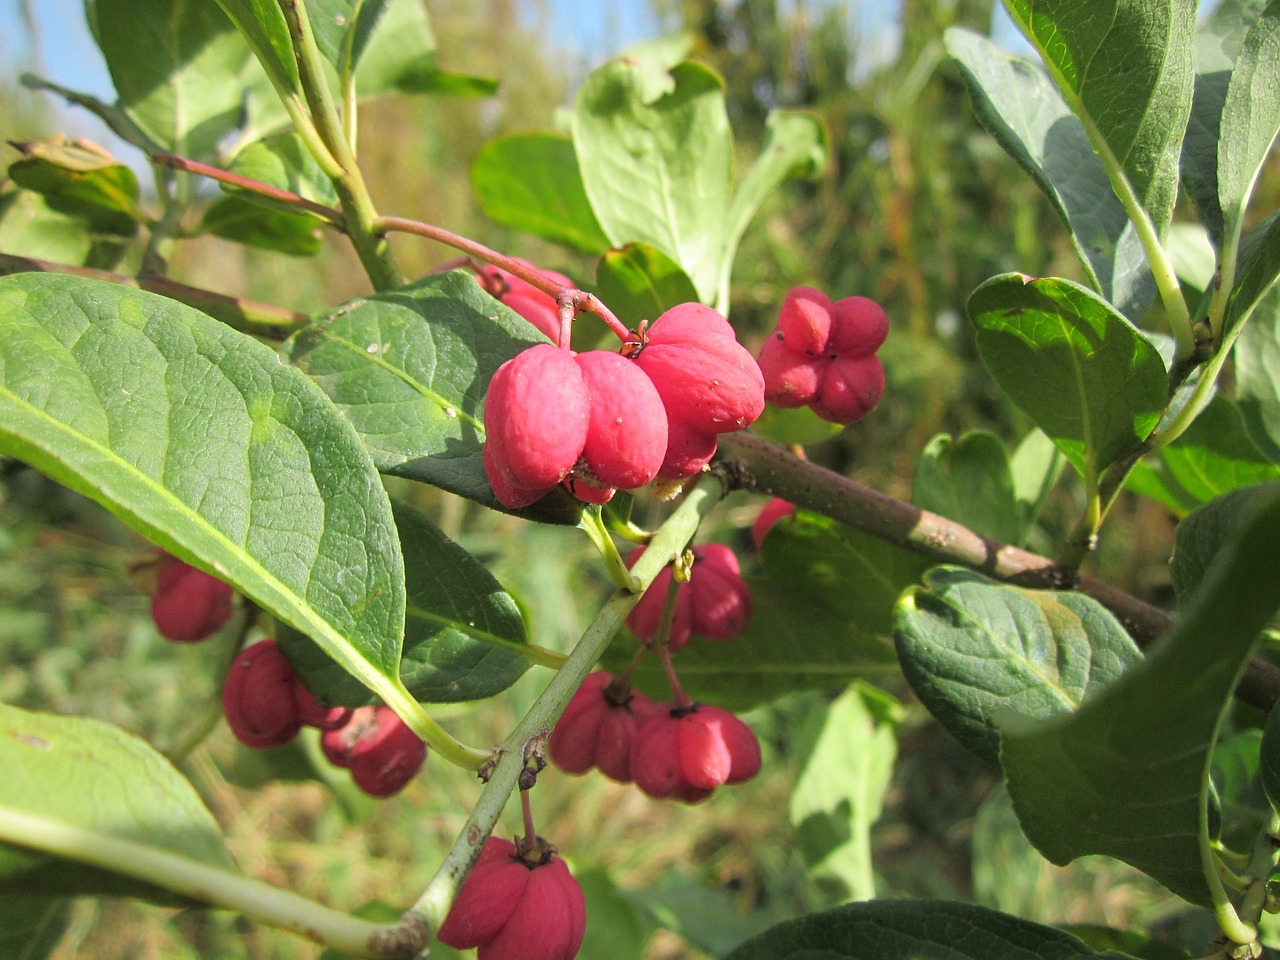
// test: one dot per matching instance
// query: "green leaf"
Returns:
(1269, 758)
(464, 636)
(795, 146)
(1019, 106)
(410, 368)
(657, 170)
(1125, 69)
(30, 225)
(640, 282)
(697, 912)
(530, 181)
(1259, 267)
(199, 438)
(1237, 782)
(1142, 798)
(1132, 943)
(70, 780)
(976, 652)
(1215, 455)
(913, 930)
(1150, 478)
(789, 644)
(1206, 532)
(401, 56)
(614, 931)
(31, 926)
(241, 221)
(797, 425)
(1036, 466)
(845, 768)
(969, 480)
(1217, 45)
(1250, 117)
(81, 182)
(262, 24)
(283, 160)
(174, 64)
(1083, 374)
(854, 575)
(1257, 370)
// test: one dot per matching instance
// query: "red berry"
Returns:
(709, 383)
(536, 415)
(627, 436)
(598, 727)
(524, 298)
(715, 603)
(823, 355)
(381, 752)
(511, 909)
(773, 511)
(259, 696)
(689, 752)
(312, 713)
(189, 604)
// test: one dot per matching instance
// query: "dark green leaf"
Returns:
(976, 651)
(1125, 68)
(1018, 105)
(1132, 943)
(31, 926)
(697, 912)
(1257, 369)
(1250, 117)
(1142, 798)
(1259, 266)
(913, 930)
(262, 24)
(410, 368)
(1217, 45)
(1237, 782)
(464, 636)
(530, 181)
(614, 931)
(969, 480)
(790, 644)
(83, 183)
(70, 779)
(240, 221)
(1206, 532)
(640, 282)
(846, 762)
(1215, 455)
(199, 438)
(1084, 375)
(1269, 758)
(657, 170)
(175, 65)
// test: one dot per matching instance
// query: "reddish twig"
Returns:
(173, 162)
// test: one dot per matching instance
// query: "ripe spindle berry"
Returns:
(189, 604)
(516, 906)
(259, 698)
(689, 751)
(773, 511)
(381, 752)
(598, 728)
(715, 603)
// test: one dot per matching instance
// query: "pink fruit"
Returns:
(259, 697)
(627, 435)
(513, 909)
(598, 727)
(715, 603)
(189, 604)
(773, 511)
(381, 752)
(689, 752)
(524, 298)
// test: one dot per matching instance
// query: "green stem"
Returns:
(668, 542)
(199, 881)
(395, 696)
(1084, 537)
(592, 524)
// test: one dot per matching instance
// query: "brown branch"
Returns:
(754, 463)
(247, 316)
(288, 197)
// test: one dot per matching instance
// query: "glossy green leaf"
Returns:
(262, 24)
(969, 480)
(1215, 455)
(657, 170)
(240, 221)
(640, 282)
(410, 368)
(1250, 117)
(1019, 106)
(846, 763)
(1257, 369)
(70, 779)
(852, 574)
(530, 181)
(1125, 67)
(464, 636)
(977, 651)
(82, 183)
(1160, 718)
(914, 930)
(174, 64)
(790, 644)
(199, 438)
(1217, 45)
(1083, 374)
(282, 160)
(1209, 530)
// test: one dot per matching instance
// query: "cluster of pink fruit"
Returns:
(265, 702)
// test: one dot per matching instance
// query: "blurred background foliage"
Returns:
(917, 207)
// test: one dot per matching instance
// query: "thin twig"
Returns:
(173, 162)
